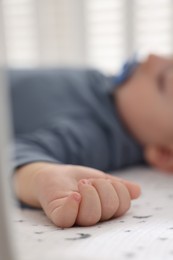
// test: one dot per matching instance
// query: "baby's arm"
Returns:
(67, 193)
(73, 194)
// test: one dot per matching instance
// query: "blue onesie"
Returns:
(68, 116)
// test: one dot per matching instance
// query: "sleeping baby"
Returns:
(73, 127)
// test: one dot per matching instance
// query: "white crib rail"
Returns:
(6, 245)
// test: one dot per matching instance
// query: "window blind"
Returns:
(97, 33)
(20, 32)
(105, 33)
(153, 25)
(44, 32)
(117, 29)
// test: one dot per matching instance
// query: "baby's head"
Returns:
(145, 103)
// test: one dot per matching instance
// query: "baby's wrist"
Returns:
(27, 181)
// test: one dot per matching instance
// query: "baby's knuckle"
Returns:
(89, 219)
(113, 207)
(126, 207)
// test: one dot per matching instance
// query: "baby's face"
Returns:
(150, 101)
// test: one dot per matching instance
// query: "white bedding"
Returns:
(144, 232)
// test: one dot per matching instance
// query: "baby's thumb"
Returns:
(65, 210)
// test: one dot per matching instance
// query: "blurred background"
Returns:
(95, 33)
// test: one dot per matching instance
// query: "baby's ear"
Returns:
(159, 157)
(157, 64)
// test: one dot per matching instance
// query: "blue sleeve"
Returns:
(68, 116)
(79, 141)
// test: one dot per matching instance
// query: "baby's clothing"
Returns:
(68, 116)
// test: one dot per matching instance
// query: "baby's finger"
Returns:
(89, 173)
(133, 188)
(90, 207)
(63, 211)
(108, 197)
(124, 198)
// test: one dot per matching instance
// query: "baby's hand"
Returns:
(80, 195)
